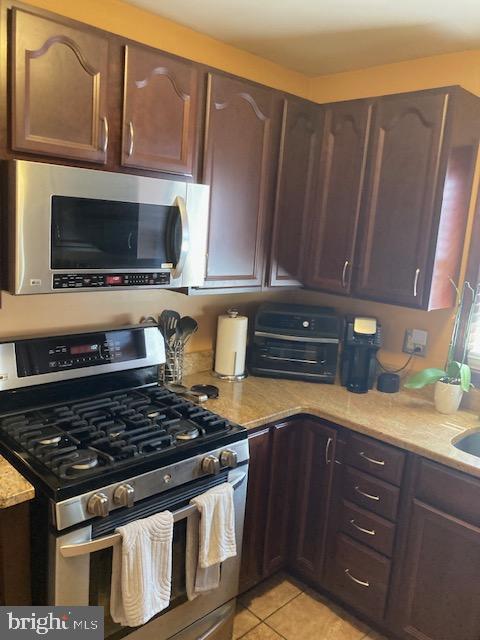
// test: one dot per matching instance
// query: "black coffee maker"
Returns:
(362, 339)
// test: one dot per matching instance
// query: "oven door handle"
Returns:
(185, 244)
(82, 548)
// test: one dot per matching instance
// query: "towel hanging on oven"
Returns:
(142, 570)
(210, 539)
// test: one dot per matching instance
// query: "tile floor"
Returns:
(282, 608)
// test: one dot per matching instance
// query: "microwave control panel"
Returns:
(107, 280)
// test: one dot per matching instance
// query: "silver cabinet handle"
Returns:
(328, 447)
(105, 134)
(344, 273)
(381, 463)
(370, 532)
(362, 583)
(415, 283)
(366, 495)
(132, 136)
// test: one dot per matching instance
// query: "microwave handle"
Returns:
(185, 244)
(83, 548)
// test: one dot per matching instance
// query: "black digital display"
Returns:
(49, 355)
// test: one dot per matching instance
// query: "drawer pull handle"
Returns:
(362, 583)
(370, 496)
(370, 532)
(381, 463)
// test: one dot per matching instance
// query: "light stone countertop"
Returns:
(406, 419)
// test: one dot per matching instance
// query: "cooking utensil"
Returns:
(185, 328)
(168, 322)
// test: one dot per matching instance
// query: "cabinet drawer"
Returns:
(376, 458)
(371, 493)
(366, 527)
(451, 491)
(359, 576)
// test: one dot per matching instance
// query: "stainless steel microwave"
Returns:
(83, 230)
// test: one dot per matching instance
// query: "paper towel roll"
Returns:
(231, 345)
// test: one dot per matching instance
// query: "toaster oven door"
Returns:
(290, 356)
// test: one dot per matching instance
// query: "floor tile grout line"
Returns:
(280, 608)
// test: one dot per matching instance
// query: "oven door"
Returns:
(73, 221)
(81, 570)
(315, 358)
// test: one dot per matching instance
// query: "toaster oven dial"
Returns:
(211, 464)
(123, 496)
(228, 458)
(97, 505)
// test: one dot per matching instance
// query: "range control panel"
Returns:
(102, 280)
(47, 355)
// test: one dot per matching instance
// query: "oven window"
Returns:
(107, 234)
(101, 574)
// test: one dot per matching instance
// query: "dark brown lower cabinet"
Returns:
(311, 507)
(256, 509)
(412, 572)
(441, 580)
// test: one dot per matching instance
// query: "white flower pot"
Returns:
(447, 397)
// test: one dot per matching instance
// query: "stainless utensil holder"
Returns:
(172, 370)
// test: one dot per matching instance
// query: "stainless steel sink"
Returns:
(470, 443)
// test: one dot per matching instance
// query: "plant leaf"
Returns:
(465, 377)
(422, 378)
(453, 369)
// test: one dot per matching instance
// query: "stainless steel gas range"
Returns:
(83, 417)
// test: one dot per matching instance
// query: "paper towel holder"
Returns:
(232, 313)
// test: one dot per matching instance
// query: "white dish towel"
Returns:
(210, 539)
(142, 570)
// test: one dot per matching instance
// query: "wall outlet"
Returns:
(415, 341)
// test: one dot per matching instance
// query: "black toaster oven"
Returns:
(295, 341)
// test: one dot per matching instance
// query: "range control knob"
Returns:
(97, 505)
(123, 496)
(228, 458)
(211, 464)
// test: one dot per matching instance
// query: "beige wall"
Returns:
(31, 314)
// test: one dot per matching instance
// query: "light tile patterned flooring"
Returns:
(282, 608)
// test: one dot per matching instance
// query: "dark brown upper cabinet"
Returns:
(239, 158)
(420, 169)
(298, 157)
(159, 111)
(334, 217)
(58, 89)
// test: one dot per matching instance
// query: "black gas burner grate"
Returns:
(82, 438)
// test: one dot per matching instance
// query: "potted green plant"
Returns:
(455, 378)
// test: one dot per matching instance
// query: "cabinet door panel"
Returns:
(59, 92)
(282, 483)
(160, 111)
(313, 498)
(441, 581)
(251, 570)
(340, 182)
(299, 150)
(238, 164)
(405, 150)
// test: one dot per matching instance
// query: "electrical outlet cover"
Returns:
(415, 341)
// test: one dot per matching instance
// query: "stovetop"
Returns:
(83, 444)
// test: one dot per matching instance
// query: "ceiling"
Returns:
(327, 36)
